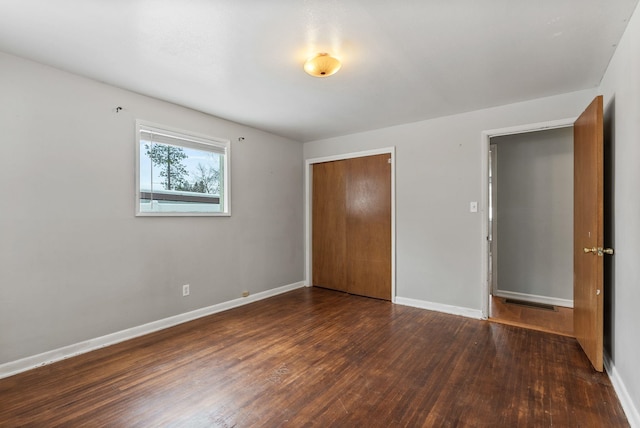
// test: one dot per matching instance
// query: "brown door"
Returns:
(352, 226)
(369, 226)
(588, 292)
(329, 226)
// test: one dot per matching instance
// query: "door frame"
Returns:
(484, 194)
(308, 180)
(492, 195)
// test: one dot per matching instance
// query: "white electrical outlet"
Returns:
(473, 207)
(185, 290)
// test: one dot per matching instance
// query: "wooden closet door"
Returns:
(352, 226)
(369, 226)
(329, 226)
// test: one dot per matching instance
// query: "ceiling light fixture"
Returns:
(322, 65)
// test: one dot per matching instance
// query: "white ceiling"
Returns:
(403, 61)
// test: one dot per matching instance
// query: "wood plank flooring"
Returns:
(559, 321)
(316, 357)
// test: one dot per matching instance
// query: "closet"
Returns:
(351, 225)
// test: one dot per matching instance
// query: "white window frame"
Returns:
(194, 141)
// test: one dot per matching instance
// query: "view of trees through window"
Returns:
(181, 174)
(166, 167)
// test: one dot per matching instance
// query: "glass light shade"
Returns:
(322, 65)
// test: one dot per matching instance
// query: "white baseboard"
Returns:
(14, 367)
(565, 303)
(439, 307)
(630, 408)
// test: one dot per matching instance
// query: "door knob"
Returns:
(603, 251)
(598, 251)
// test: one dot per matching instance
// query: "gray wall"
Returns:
(621, 89)
(75, 263)
(534, 213)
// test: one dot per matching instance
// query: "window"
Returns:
(180, 174)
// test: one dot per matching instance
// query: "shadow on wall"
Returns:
(609, 226)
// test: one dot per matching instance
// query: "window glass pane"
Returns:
(180, 179)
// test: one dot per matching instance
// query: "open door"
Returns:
(588, 224)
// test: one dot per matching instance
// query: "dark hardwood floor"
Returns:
(315, 357)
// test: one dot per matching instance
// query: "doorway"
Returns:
(588, 226)
(350, 247)
(529, 227)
